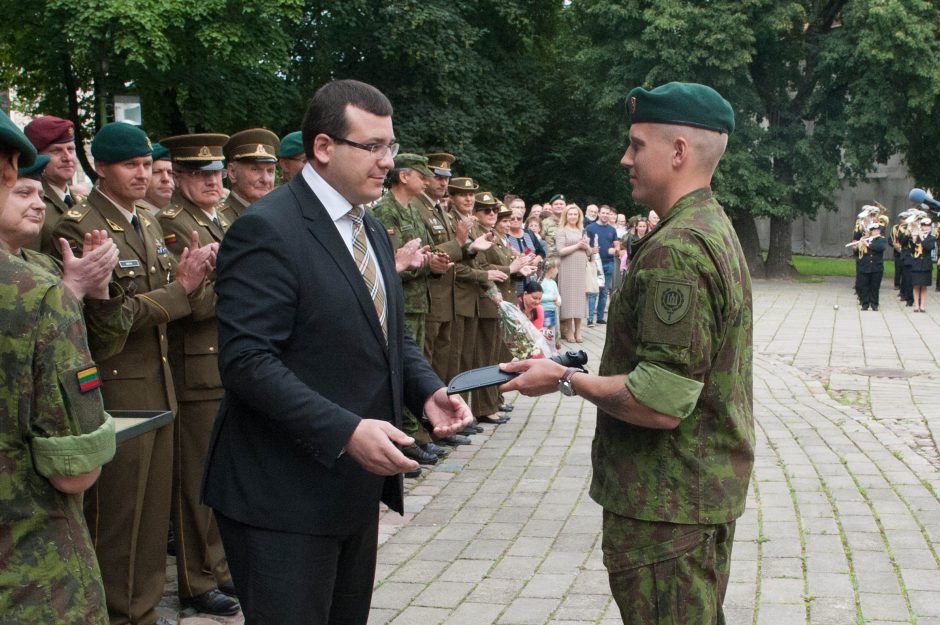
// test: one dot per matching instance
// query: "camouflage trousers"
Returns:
(414, 326)
(666, 573)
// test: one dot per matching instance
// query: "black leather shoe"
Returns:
(413, 474)
(419, 455)
(492, 421)
(212, 602)
(506, 408)
(470, 430)
(456, 440)
(437, 450)
(162, 621)
(228, 588)
(601, 322)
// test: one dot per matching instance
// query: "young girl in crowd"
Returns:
(551, 302)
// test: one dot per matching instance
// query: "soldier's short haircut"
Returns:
(326, 111)
(393, 177)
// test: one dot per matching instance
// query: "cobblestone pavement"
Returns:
(843, 518)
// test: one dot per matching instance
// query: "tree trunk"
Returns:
(746, 228)
(779, 252)
(71, 88)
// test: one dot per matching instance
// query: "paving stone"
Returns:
(515, 567)
(528, 611)
(886, 607)
(474, 614)
(779, 613)
(421, 616)
(442, 594)
(548, 585)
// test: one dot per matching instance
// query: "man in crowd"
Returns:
(403, 223)
(203, 578)
(307, 442)
(603, 238)
(590, 214)
(554, 221)
(54, 435)
(128, 510)
(55, 138)
(162, 182)
(674, 446)
(290, 156)
(251, 156)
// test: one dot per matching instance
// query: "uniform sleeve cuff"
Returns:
(74, 455)
(663, 391)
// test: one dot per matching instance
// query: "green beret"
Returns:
(682, 104)
(13, 138)
(119, 141)
(34, 171)
(291, 145)
(413, 161)
(161, 153)
(557, 196)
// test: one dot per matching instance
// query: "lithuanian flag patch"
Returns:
(169, 239)
(88, 379)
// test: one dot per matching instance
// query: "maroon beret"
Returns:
(48, 129)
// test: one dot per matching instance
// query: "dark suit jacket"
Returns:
(302, 358)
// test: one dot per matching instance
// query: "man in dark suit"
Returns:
(316, 368)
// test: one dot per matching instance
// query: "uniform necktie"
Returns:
(368, 267)
(136, 223)
(68, 200)
(216, 221)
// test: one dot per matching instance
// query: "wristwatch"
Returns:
(564, 384)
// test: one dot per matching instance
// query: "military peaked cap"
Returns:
(462, 185)
(199, 151)
(484, 199)
(254, 144)
(440, 162)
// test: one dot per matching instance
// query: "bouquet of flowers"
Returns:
(522, 338)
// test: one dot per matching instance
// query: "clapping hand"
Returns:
(89, 275)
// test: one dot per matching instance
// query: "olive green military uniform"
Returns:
(194, 345)
(468, 280)
(680, 328)
(489, 348)
(128, 510)
(55, 208)
(549, 229)
(439, 320)
(232, 207)
(52, 423)
(107, 321)
(402, 223)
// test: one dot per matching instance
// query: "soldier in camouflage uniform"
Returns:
(403, 223)
(88, 277)
(674, 446)
(54, 437)
(551, 222)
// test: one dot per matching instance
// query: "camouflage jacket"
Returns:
(107, 322)
(403, 223)
(680, 329)
(52, 423)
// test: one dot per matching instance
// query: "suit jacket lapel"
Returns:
(322, 228)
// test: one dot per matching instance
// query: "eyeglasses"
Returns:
(377, 150)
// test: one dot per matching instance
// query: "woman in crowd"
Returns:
(534, 225)
(531, 304)
(575, 252)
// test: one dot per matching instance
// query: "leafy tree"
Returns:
(822, 91)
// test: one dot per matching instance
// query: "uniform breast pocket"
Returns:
(127, 274)
(201, 363)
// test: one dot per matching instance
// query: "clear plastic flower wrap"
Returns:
(522, 338)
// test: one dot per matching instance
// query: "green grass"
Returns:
(819, 266)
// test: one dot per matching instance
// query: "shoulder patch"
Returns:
(672, 300)
(170, 212)
(74, 214)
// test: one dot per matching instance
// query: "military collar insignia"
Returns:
(114, 226)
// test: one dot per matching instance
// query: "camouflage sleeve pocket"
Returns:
(667, 313)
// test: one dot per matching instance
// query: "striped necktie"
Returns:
(368, 267)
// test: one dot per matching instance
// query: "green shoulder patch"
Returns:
(672, 300)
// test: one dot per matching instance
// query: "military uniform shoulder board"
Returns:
(76, 213)
(170, 212)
